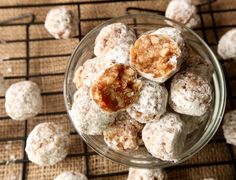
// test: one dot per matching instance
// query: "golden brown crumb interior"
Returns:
(116, 88)
(151, 54)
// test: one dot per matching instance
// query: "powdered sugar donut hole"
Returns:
(151, 103)
(23, 100)
(190, 93)
(183, 11)
(113, 43)
(165, 138)
(86, 73)
(59, 23)
(86, 115)
(227, 45)
(47, 144)
(229, 127)
(123, 134)
(146, 174)
(68, 175)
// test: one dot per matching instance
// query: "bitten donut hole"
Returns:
(155, 54)
(117, 88)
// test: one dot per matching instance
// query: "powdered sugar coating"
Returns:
(146, 174)
(86, 73)
(68, 175)
(151, 103)
(87, 116)
(117, 54)
(47, 144)
(123, 134)
(102, 64)
(165, 138)
(23, 100)
(227, 45)
(190, 93)
(184, 12)
(81, 91)
(59, 22)
(229, 127)
(113, 43)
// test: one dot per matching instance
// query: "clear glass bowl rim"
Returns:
(206, 137)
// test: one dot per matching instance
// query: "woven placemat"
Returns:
(48, 57)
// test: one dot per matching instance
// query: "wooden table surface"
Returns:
(47, 62)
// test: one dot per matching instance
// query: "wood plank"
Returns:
(40, 13)
(52, 47)
(50, 172)
(100, 165)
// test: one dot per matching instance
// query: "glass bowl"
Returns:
(142, 23)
